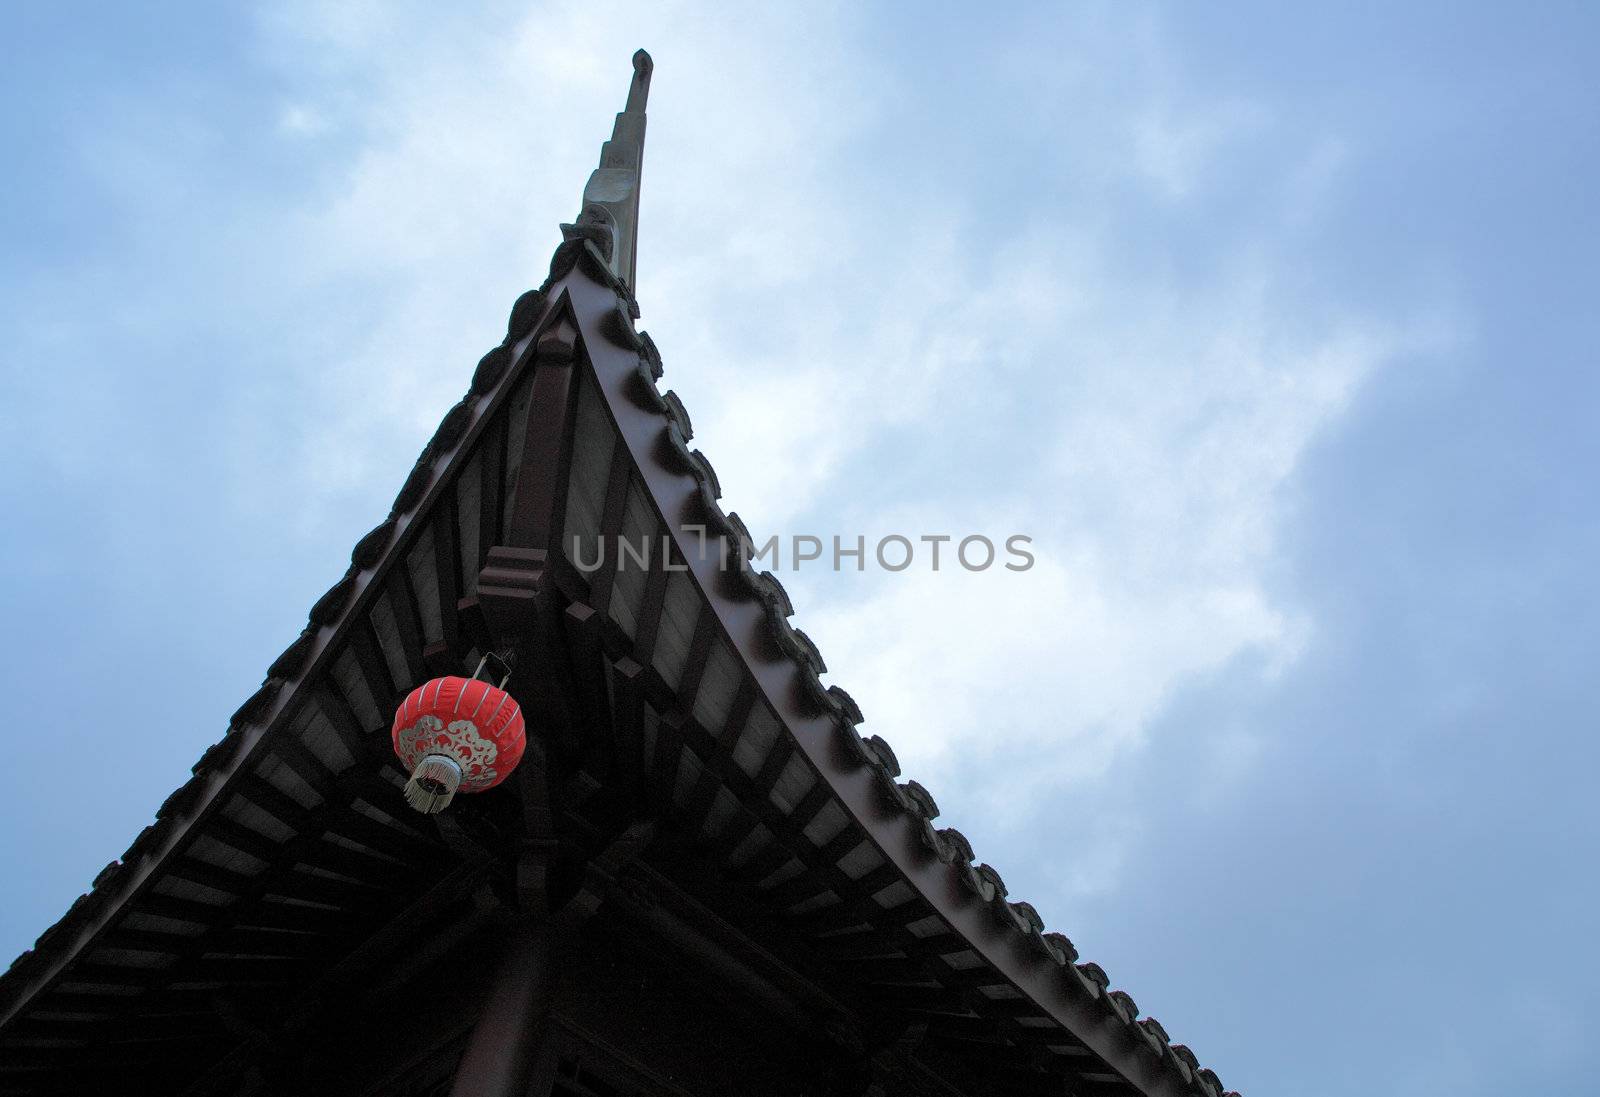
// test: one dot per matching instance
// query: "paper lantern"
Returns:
(456, 735)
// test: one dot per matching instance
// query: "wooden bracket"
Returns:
(508, 591)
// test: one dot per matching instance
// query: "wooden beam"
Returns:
(602, 581)
(447, 567)
(492, 478)
(373, 666)
(539, 498)
(648, 628)
(408, 623)
(581, 624)
(694, 664)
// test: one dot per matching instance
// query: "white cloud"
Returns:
(1172, 145)
(302, 120)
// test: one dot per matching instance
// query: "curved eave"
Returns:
(260, 730)
(752, 613)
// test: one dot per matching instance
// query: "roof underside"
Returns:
(289, 869)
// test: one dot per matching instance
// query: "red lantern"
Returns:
(456, 734)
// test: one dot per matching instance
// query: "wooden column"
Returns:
(504, 1046)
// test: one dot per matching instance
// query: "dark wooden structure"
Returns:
(701, 881)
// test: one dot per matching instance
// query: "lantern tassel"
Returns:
(433, 783)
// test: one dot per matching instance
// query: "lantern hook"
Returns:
(503, 667)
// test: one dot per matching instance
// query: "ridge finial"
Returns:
(610, 214)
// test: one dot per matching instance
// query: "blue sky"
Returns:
(1273, 325)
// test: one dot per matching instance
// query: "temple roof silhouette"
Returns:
(694, 798)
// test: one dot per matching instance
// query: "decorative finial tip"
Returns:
(639, 90)
(611, 200)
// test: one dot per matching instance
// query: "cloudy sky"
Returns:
(1274, 330)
